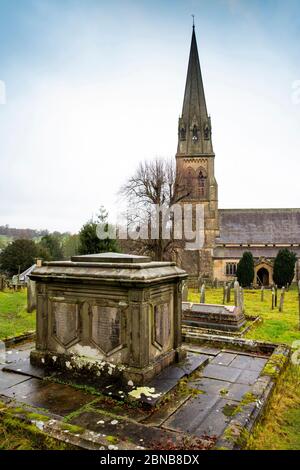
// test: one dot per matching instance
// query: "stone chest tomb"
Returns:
(109, 311)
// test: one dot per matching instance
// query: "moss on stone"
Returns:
(275, 365)
(112, 439)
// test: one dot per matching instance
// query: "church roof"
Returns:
(259, 226)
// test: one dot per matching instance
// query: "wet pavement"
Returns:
(215, 384)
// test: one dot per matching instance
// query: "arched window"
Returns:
(190, 181)
(201, 184)
(195, 133)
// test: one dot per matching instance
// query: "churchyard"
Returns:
(75, 405)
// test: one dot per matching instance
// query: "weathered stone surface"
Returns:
(226, 373)
(65, 322)
(220, 317)
(57, 398)
(249, 363)
(216, 421)
(189, 417)
(24, 367)
(106, 328)
(24, 388)
(237, 391)
(121, 309)
(123, 430)
(248, 377)
(162, 323)
(224, 359)
(210, 386)
(8, 379)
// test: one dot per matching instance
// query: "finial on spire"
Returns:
(193, 21)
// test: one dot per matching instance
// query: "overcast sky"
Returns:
(94, 86)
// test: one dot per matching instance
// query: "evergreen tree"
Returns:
(19, 254)
(90, 243)
(284, 267)
(50, 247)
(245, 269)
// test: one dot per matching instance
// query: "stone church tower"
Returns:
(195, 167)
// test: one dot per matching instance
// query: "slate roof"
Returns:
(237, 252)
(245, 226)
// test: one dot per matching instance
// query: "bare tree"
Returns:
(155, 184)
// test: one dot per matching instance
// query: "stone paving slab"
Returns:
(228, 374)
(9, 379)
(248, 377)
(201, 349)
(122, 430)
(249, 363)
(192, 413)
(168, 379)
(210, 386)
(216, 421)
(57, 398)
(22, 390)
(224, 359)
(24, 367)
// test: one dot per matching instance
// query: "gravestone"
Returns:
(281, 302)
(202, 294)
(118, 312)
(185, 292)
(273, 298)
(213, 317)
(228, 296)
(262, 293)
(31, 296)
(236, 292)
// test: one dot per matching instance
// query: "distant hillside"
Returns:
(14, 233)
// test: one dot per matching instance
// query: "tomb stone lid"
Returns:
(111, 258)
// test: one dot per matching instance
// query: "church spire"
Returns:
(194, 124)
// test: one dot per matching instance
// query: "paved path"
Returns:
(204, 408)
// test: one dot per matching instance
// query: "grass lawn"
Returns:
(280, 427)
(14, 319)
(276, 327)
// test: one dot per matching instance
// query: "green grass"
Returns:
(14, 319)
(280, 427)
(19, 435)
(276, 327)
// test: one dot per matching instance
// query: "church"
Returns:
(228, 233)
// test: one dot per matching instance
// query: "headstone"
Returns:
(273, 298)
(185, 292)
(299, 286)
(228, 297)
(225, 294)
(281, 300)
(31, 296)
(242, 300)
(262, 293)
(236, 291)
(276, 295)
(202, 294)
